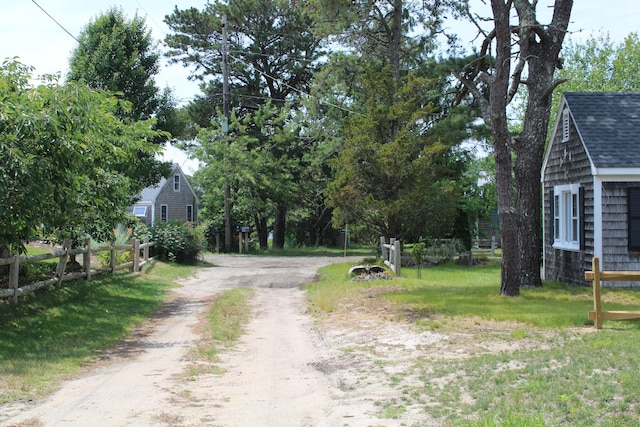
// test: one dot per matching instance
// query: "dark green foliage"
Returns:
(63, 152)
(177, 242)
(118, 55)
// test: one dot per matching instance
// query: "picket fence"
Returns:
(139, 256)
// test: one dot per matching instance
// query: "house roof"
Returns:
(150, 194)
(609, 126)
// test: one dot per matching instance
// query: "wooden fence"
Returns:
(596, 276)
(139, 254)
(391, 254)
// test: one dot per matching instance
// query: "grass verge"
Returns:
(49, 335)
(555, 371)
(225, 322)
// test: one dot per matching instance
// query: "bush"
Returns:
(122, 235)
(442, 250)
(177, 242)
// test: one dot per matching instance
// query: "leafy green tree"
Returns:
(119, 55)
(258, 171)
(62, 148)
(272, 56)
(397, 170)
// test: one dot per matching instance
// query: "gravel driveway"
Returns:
(275, 376)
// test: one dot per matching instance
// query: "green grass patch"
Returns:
(556, 372)
(50, 334)
(453, 290)
(226, 321)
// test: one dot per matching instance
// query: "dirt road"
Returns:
(283, 372)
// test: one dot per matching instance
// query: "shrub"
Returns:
(177, 242)
(442, 250)
(122, 235)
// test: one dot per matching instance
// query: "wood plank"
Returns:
(616, 315)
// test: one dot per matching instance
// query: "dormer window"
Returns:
(565, 125)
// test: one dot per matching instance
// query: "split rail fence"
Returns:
(391, 253)
(139, 255)
(596, 276)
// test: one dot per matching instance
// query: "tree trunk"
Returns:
(263, 232)
(228, 229)
(279, 227)
(541, 47)
(507, 214)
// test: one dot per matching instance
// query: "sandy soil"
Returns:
(287, 370)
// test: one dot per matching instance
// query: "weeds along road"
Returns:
(274, 376)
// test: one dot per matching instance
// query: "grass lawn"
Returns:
(572, 375)
(50, 334)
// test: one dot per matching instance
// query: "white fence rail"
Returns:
(391, 253)
(139, 255)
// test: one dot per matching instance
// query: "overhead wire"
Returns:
(54, 20)
(295, 89)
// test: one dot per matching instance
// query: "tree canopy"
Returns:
(62, 151)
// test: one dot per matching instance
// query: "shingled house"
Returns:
(591, 186)
(170, 199)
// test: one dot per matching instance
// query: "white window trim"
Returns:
(140, 214)
(176, 183)
(166, 207)
(187, 213)
(566, 217)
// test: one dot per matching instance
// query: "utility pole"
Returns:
(228, 233)
(225, 75)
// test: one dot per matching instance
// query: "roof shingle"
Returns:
(609, 125)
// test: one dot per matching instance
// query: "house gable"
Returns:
(600, 153)
(170, 199)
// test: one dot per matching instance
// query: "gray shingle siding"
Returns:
(605, 141)
(176, 201)
(567, 163)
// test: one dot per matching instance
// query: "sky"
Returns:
(28, 33)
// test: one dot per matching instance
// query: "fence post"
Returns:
(493, 245)
(397, 260)
(145, 251)
(113, 257)
(86, 258)
(14, 274)
(597, 306)
(62, 262)
(135, 255)
(383, 249)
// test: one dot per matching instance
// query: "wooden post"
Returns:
(135, 255)
(493, 245)
(113, 257)
(62, 263)
(597, 306)
(346, 233)
(86, 258)
(383, 249)
(397, 260)
(145, 251)
(240, 240)
(246, 243)
(14, 274)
